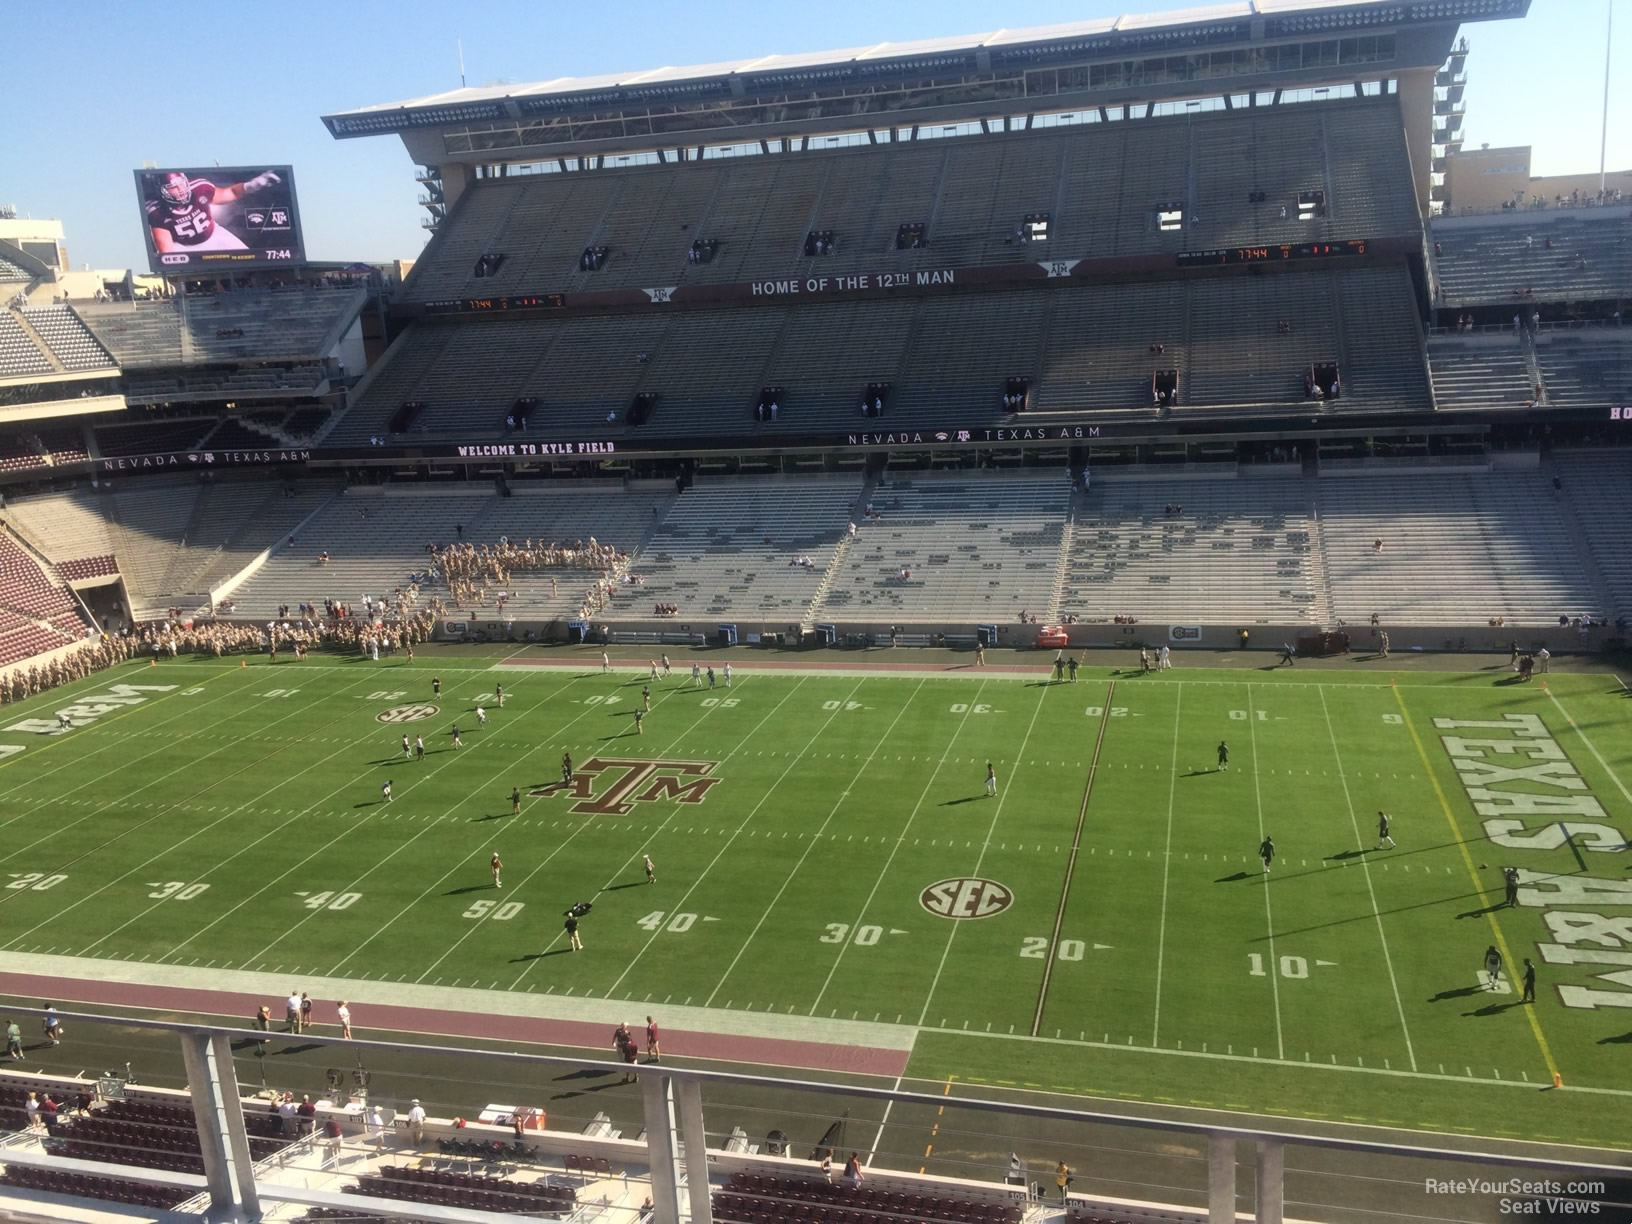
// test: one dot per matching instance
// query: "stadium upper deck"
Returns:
(1233, 55)
(1101, 190)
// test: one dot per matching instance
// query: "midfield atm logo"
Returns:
(611, 786)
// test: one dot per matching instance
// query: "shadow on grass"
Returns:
(956, 802)
(468, 888)
(1231, 879)
(621, 887)
(1461, 992)
(533, 956)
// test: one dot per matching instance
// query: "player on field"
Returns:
(496, 865)
(606, 663)
(653, 670)
(63, 721)
(1223, 755)
(980, 654)
(1510, 879)
(666, 668)
(728, 675)
(1059, 666)
(1144, 660)
(1287, 655)
(991, 780)
(651, 869)
(640, 717)
(711, 677)
(1493, 967)
(419, 747)
(1164, 660)
(407, 749)
(570, 926)
(481, 717)
(457, 742)
(696, 676)
(498, 695)
(515, 801)
(436, 686)
(1266, 851)
(566, 769)
(646, 698)
(1383, 835)
(1071, 668)
(653, 1051)
(1529, 982)
(385, 792)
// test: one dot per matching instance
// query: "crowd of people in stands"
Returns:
(1576, 199)
(397, 628)
(78, 663)
(470, 570)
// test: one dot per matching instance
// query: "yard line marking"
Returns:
(355, 824)
(160, 812)
(1591, 747)
(428, 826)
(1167, 860)
(171, 849)
(1269, 917)
(811, 846)
(1473, 875)
(1071, 860)
(118, 737)
(1365, 868)
(1008, 790)
(629, 863)
(963, 722)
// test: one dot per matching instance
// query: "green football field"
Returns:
(824, 847)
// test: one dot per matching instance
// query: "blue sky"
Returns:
(115, 84)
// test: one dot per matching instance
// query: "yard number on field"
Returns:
(677, 923)
(842, 705)
(1241, 715)
(499, 911)
(980, 707)
(1294, 967)
(1035, 947)
(330, 900)
(279, 693)
(34, 881)
(723, 702)
(863, 936)
(176, 890)
(1099, 711)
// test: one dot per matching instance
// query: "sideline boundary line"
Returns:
(1478, 884)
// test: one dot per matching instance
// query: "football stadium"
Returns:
(1025, 628)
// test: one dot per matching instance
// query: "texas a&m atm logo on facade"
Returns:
(611, 786)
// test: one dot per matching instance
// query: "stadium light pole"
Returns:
(1603, 122)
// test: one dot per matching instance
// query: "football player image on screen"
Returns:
(181, 213)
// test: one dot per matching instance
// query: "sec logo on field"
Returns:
(966, 898)
(406, 713)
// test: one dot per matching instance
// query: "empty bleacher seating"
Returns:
(1194, 551)
(68, 339)
(976, 547)
(754, 1198)
(244, 325)
(1456, 550)
(1590, 368)
(1478, 372)
(730, 549)
(1492, 260)
(18, 353)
